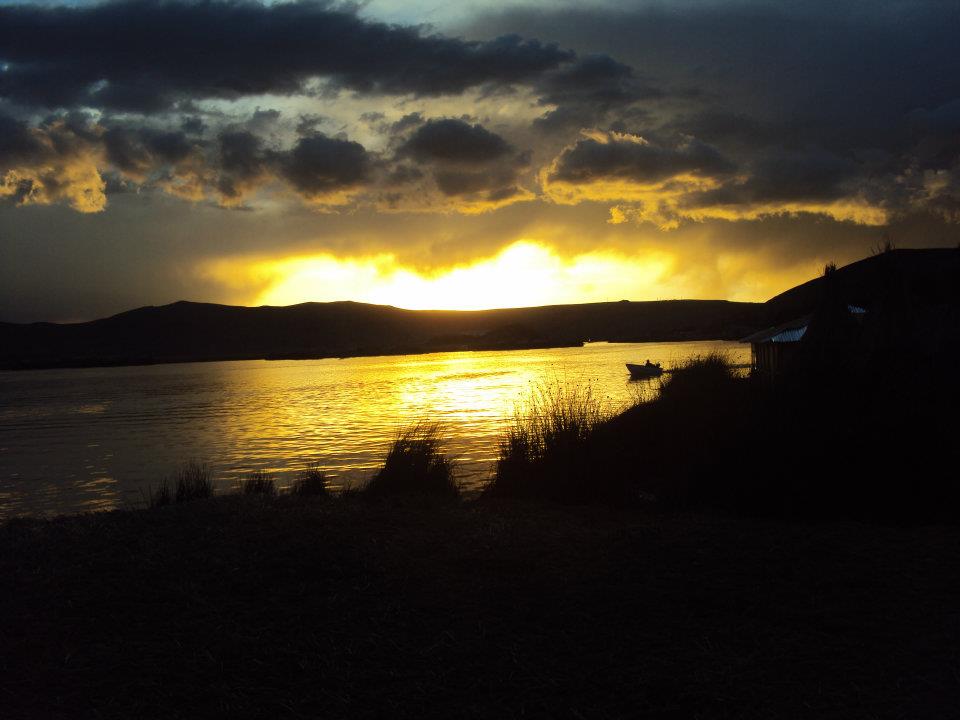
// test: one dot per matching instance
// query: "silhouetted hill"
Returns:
(926, 277)
(187, 331)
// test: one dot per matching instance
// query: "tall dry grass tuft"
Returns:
(194, 481)
(258, 483)
(311, 482)
(160, 495)
(547, 452)
(701, 375)
(416, 465)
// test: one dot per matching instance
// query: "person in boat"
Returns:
(647, 363)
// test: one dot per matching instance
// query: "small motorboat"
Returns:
(647, 370)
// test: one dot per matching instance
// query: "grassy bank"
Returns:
(284, 606)
(834, 442)
(813, 446)
(617, 566)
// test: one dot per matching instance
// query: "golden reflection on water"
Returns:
(280, 417)
(102, 493)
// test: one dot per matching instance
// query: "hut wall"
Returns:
(769, 358)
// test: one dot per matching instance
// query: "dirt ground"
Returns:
(250, 607)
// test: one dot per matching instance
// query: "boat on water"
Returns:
(647, 370)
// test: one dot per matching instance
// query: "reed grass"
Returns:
(194, 481)
(311, 482)
(416, 465)
(258, 483)
(546, 451)
(696, 375)
(160, 495)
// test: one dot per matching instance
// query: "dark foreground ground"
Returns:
(244, 607)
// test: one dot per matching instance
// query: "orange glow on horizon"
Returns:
(523, 274)
(526, 273)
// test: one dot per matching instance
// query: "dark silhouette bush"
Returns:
(258, 483)
(311, 482)
(548, 452)
(194, 481)
(415, 465)
(160, 495)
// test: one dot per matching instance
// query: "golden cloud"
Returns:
(55, 165)
(666, 185)
(75, 181)
(667, 212)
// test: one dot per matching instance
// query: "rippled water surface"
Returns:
(96, 438)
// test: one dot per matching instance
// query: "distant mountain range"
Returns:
(187, 331)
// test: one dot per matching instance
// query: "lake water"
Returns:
(97, 438)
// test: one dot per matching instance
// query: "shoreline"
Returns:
(146, 362)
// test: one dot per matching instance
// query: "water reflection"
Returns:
(97, 438)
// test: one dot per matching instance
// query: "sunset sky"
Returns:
(465, 155)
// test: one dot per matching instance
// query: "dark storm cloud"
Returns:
(403, 174)
(125, 152)
(408, 121)
(792, 177)
(811, 175)
(450, 140)
(735, 129)
(241, 154)
(500, 184)
(466, 161)
(193, 125)
(138, 151)
(628, 157)
(943, 120)
(263, 118)
(846, 73)
(938, 136)
(817, 102)
(318, 165)
(17, 143)
(597, 77)
(144, 55)
(667, 181)
(588, 90)
(308, 123)
(242, 163)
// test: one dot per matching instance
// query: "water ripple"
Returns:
(97, 438)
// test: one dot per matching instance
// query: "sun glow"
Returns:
(525, 273)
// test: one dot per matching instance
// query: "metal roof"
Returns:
(790, 331)
(792, 335)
